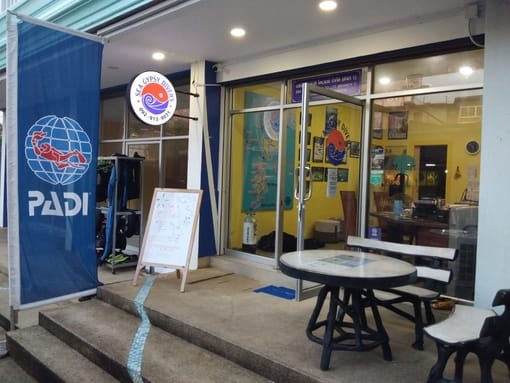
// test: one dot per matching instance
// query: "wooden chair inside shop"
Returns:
(383, 202)
(350, 208)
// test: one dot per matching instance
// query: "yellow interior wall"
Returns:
(446, 130)
(320, 206)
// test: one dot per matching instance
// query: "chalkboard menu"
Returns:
(170, 230)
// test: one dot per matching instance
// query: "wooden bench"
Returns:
(432, 279)
(471, 329)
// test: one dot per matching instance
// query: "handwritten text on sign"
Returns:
(169, 232)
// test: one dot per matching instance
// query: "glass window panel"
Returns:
(150, 174)
(175, 163)
(137, 129)
(178, 125)
(425, 153)
(445, 70)
(109, 148)
(112, 118)
(254, 96)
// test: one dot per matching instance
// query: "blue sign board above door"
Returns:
(348, 83)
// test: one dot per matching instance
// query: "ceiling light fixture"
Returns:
(384, 80)
(158, 56)
(466, 70)
(328, 5)
(237, 32)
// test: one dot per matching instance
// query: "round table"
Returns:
(358, 273)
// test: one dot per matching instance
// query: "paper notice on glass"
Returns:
(472, 173)
(331, 190)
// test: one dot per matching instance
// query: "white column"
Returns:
(493, 255)
(196, 109)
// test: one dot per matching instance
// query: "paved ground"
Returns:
(225, 305)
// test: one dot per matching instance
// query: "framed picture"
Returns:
(397, 126)
(354, 149)
(318, 149)
(377, 125)
(317, 173)
(309, 119)
(343, 175)
(308, 154)
(308, 137)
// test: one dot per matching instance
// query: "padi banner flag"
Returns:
(53, 98)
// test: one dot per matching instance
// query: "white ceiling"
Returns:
(198, 30)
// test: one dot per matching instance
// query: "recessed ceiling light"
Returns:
(158, 56)
(466, 70)
(328, 5)
(384, 80)
(237, 32)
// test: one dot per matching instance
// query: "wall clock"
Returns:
(472, 147)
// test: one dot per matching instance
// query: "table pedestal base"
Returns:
(354, 335)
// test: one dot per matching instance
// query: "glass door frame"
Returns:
(307, 90)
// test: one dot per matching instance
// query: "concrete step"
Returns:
(105, 333)
(239, 352)
(11, 372)
(48, 359)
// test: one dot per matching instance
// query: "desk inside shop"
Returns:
(426, 224)
(454, 226)
(119, 211)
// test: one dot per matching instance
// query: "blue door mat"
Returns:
(277, 291)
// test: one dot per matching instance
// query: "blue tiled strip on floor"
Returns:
(134, 364)
(277, 291)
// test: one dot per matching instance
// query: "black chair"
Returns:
(476, 330)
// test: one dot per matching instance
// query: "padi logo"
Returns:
(72, 204)
(58, 150)
(152, 98)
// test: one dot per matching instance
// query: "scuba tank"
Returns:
(250, 234)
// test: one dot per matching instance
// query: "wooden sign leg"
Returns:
(137, 272)
(183, 280)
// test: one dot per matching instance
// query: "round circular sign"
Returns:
(152, 98)
(472, 147)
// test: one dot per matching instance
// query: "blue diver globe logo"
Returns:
(58, 150)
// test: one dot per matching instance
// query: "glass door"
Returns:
(326, 197)
(270, 146)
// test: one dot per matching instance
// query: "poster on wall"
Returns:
(260, 160)
(397, 125)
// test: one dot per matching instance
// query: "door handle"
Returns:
(308, 184)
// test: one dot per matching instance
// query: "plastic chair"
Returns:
(476, 330)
